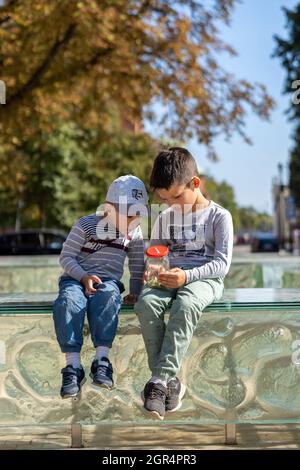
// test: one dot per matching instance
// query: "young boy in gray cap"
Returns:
(93, 258)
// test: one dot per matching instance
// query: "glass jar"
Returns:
(157, 262)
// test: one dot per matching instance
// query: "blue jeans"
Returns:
(102, 312)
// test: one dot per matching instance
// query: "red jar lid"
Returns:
(157, 251)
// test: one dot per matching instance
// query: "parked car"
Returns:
(240, 239)
(32, 242)
(264, 242)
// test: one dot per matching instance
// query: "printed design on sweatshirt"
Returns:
(187, 240)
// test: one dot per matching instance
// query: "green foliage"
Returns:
(76, 70)
(76, 59)
(66, 174)
(223, 194)
(295, 167)
(244, 218)
(251, 219)
(288, 51)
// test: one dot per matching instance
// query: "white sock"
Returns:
(101, 351)
(73, 359)
(157, 380)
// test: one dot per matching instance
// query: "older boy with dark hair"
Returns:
(199, 235)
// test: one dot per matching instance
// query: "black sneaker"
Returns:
(176, 391)
(72, 379)
(154, 398)
(102, 373)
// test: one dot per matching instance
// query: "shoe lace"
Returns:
(156, 393)
(69, 378)
(170, 388)
(103, 369)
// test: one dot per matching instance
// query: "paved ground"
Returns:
(181, 438)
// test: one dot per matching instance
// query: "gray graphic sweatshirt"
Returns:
(199, 242)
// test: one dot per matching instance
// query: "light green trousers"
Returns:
(166, 344)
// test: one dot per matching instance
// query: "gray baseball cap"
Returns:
(129, 192)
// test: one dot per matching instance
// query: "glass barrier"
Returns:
(242, 366)
(41, 273)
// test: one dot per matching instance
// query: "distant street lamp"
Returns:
(280, 171)
(280, 208)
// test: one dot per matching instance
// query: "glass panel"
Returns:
(29, 273)
(241, 366)
(266, 273)
(23, 273)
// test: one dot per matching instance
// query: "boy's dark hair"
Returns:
(174, 165)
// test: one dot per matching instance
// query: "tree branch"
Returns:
(35, 79)
(9, 5)
(99, 54)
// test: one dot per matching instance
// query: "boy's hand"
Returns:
(88, 281)
(130, 299)
(173, 278)
(145, 277)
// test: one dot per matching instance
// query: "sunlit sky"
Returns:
(250, 169)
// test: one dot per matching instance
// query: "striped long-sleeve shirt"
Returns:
(95, 247)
